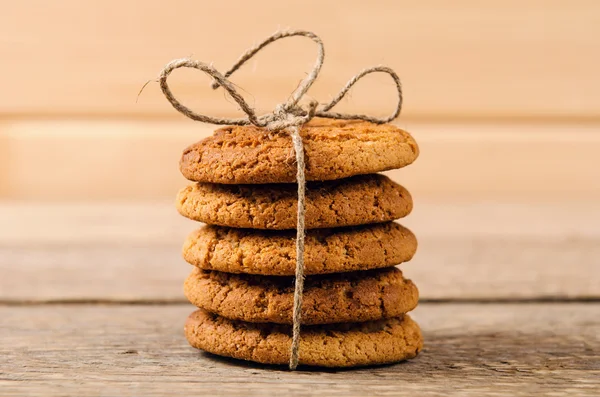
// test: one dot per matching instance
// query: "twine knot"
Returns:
(295, 116)
(286, 116)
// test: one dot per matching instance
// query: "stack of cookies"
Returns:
(355, 300)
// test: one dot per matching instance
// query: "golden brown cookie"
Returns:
(273, 252)
(358, 200)
(333, 298)
(334, 149)
(335, 345)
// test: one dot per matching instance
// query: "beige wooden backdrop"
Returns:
(504, 96)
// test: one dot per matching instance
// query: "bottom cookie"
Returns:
(337, 345)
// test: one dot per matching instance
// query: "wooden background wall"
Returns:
(503, 96)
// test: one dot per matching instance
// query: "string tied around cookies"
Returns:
(290, 116)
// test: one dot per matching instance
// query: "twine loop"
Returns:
(290, 116)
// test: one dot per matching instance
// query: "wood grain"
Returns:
(467, 251)
(138, 160)
(470, 350)
(471, 60)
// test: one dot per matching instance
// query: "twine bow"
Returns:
(289, 115)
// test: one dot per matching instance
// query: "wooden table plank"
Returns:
(131, 252)
(470, 350)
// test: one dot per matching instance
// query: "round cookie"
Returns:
(335, 345)
(335, 298)
(352, 201)
(333, 149)
(273, 252)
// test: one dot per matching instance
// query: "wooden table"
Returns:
(91, 305)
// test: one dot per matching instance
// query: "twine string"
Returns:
(289, 115)
(308, 80)
(300, 234)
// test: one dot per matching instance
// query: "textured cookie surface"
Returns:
(335, 298)
(273, 252)
(336, 345)
(346, 202)
(333, 149)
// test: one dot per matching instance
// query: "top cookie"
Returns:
(334, 149)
